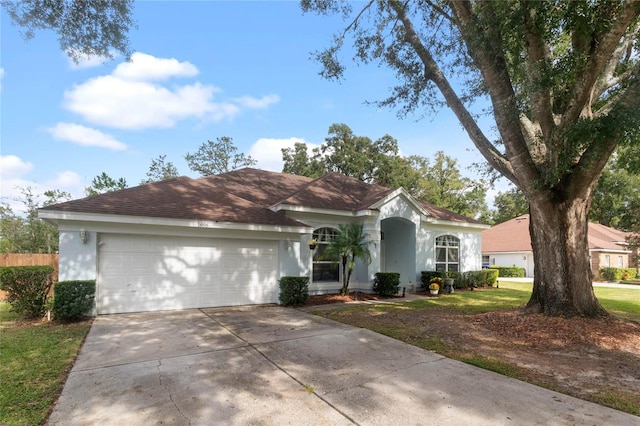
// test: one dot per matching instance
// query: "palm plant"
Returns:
(349, 244)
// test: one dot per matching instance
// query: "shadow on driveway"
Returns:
(274, 365)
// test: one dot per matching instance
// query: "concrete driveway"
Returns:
(274, 365)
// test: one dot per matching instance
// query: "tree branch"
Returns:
(537, 65)
(603, 47)
(485, 47)
(433, 73)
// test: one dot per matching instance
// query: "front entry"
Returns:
(398, 249)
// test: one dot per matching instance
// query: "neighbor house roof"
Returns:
(513, 236)
(241, 196)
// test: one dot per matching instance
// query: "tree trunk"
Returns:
(345, 278)
(562, 271)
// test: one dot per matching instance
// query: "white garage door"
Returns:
(148, 273)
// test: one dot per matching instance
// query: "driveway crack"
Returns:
(170, 394)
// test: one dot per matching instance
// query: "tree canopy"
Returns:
(561, 81)
(380, 162)
(26, 233)
(85, 28)
(105, 183)
(217, 157)
(160, 170)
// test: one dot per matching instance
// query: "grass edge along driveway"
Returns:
(35, 359)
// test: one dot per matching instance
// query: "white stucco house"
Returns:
(227, 239)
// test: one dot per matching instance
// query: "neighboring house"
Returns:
(509, 244)
(227, 239)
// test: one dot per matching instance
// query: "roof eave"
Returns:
(304, 209)
(473, 225)
(55, 217)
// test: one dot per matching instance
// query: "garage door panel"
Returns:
(147, 273)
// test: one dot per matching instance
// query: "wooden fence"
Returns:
(29, 259)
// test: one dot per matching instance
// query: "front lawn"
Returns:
(485, 328)
(621, 302)
(35, 358)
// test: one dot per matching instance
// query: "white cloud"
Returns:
(68, 181)
(268, 152)
(132, 98)
(143, 67)
(14, 178)
(12, 167)
(85, 136)
(257, 103)
(85, 61)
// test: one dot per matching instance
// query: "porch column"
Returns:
(373, 230)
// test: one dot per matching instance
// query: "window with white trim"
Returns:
(325, 269)
(620, 262)
(447, 253)
(607, 261)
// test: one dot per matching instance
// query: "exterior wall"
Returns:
(598, 260)
(77, 259)
(408, 246)
(305, 261)
(522, 259)
(291, 259)
(470, 246)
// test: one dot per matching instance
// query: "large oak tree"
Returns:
(562, 82)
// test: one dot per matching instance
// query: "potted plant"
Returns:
(312, 243)
(448, 282)
(434, 285)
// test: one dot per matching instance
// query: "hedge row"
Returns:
(618, 274)
(469, 279)
(510, 271)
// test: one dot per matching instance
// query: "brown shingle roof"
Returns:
(444, 214)
(180, 198)
(337, 192)
(513, 235)
(240, 196)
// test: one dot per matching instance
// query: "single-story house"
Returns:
(509, 244)
(227, 239)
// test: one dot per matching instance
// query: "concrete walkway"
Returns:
(274, 365)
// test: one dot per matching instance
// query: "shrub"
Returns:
(386, 283)
(27, 288)
(425, 278)
(294, 290)
(617, 274)
(490, 277)
(73, 300)
(510, 271)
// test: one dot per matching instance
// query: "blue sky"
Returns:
(201, 70)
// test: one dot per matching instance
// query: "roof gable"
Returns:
(334, 191)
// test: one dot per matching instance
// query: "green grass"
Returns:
(34, 361)
(621, 302)
(476, 302)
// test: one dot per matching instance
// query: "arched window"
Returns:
(447, 253)
(324, 268)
